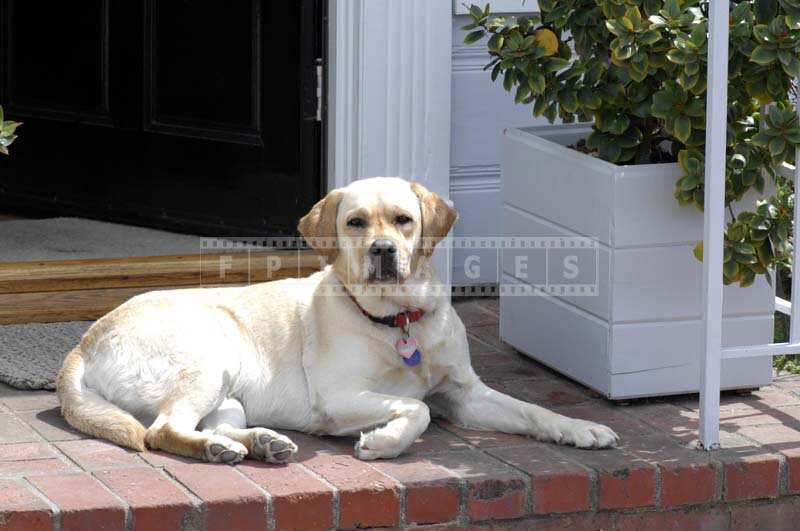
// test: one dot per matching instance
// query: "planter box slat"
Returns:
(673, 343)
(557, 335)
(663, 283)
(590, 206)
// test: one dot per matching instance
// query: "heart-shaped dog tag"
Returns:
(415, 358)
(406, 347)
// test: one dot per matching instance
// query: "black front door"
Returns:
(192, 115)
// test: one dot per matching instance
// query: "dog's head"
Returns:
(375, 231)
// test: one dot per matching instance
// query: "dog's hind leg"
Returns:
(229, 420)
(174, 430)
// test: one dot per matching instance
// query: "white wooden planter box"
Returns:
(641, 334)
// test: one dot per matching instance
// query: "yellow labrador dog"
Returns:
(213, 371)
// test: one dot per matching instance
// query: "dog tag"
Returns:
(415, 358)
(408, 349)
(406, 346)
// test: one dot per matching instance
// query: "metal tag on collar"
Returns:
(407, 347)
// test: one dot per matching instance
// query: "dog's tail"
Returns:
(89, 412)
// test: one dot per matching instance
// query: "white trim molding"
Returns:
(344, 89)
(484, 178)
(468, 58)
(498, 6)
(389, 91)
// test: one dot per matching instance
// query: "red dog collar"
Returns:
(400, 320)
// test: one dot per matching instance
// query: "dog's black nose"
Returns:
(383, 248)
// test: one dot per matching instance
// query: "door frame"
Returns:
(389, 70)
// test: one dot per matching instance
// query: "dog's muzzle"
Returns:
(383, 261)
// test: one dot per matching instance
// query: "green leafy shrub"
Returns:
(7, 135)
(637, 70)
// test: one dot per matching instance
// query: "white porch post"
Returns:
(389, 92)
(716, 124)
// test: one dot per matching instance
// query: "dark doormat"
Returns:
(31, 354)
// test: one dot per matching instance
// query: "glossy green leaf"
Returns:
(683, 128)
(474, 36)
(763, 55)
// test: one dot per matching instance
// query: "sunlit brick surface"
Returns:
(52, 477)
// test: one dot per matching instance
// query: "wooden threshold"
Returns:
(72, 290)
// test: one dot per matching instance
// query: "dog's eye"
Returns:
(402, 220)
(356, 223)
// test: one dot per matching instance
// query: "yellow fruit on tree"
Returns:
(548, 40)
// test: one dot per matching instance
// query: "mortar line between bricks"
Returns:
(783, 476)
(783, 465)
(594, 489)
(269, 507)
(529, 494)
(403, 504)
(657, 486)
(404, 498)
(69, 459)
(463, 499)
(198, 504)
(60, 455)
(65, 457)
(41, 438)
(593, 473)
(528, 480)
(336, 507)
(461, 485)
(33, 429)
(401, 491)
(719, 479)
(53, 506)
(126, 506)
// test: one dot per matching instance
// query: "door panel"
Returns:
(187, 68)
(69, 78)
(163, 113)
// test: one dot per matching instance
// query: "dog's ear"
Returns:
(318, 227)
(437, 217)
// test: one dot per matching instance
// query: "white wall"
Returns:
(481, 110)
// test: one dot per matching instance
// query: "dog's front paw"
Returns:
(221, 449)
(376, 445)
(271, 446)
(585, 434)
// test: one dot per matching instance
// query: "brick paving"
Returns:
(52, 477)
